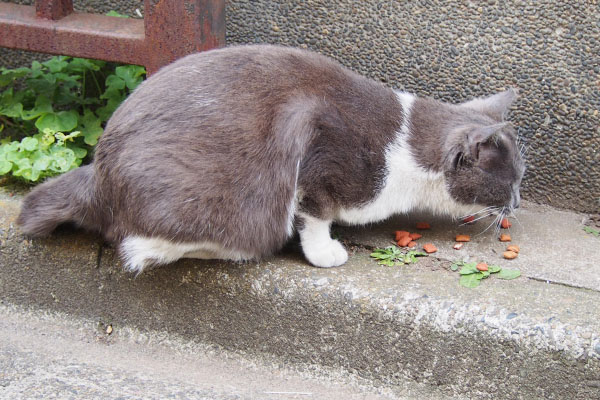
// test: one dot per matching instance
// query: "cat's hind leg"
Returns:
(139, 252)
(318, 246)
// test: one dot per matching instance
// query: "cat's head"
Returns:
(484, 164)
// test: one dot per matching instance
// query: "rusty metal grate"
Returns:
(170, 29)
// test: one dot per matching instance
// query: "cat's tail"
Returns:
(67, 198)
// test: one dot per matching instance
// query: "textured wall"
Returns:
(454, 50)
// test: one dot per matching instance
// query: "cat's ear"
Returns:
(480, 136)
(496, 106)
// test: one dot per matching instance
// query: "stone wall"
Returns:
(454, 50)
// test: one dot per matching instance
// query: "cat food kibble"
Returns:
(415, 236)
(505, 238)
(423, 225)
(401, 234)
(469, 219)
(458, 246)
(505, 223)
(429, 248)
(509, 255)
(462, 238)
(412, 244)
(482, 267)
(404, 241)
(513, 248)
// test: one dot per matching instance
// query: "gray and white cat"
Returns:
(225, 153)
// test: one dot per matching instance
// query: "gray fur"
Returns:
(216, 147)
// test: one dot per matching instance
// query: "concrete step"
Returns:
(534, 337)
(51, 355)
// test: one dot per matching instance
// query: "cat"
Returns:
(224, 154)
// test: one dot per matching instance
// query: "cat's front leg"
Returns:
(318, 246)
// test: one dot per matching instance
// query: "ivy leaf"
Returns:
(10, 104)
(42, 161)
(494, 269)
(63, 121)
(56, 64)
(42, 106)
(131, 74)
(63, 158)
(113, 13)
(509, 273)
(80, 65)
(5, 166)
(468, 269)
(90, 127)
(470, 281)
(29, 144)
(114, 82)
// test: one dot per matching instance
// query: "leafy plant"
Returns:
(592, 231)
(52, 114)
(392, 256)
(471, 277)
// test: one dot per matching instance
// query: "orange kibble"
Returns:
(469, 219)
(481, 266)
(423, 225)
(505, 238)
(404, 241)
(415, 236)
(514, 248)
(509, 255)
(429, 248)
(401, 234)
(412, 244)
(505, 223)
(458, 246)
(462, 238)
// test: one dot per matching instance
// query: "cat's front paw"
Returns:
(325, 254)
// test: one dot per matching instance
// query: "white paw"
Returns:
(325, 254)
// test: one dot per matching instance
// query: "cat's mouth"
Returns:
(498, 212)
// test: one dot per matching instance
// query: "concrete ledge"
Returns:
(505, 339)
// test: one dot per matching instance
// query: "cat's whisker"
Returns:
(495, 221)
(478, 212)
(478, 218)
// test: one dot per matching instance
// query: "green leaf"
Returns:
(56, 64)
(42, 106)
(42, 162)
(63, 159)
(468, 269)
(113, 13)
(29, 144)
(114, 82)
(78, 151)
(131, 74)
(589, 229)
(63, 121)
(470, 281)
(90, 127)
(80, 65)
(5, 166)
(494, 268)
(508, 273)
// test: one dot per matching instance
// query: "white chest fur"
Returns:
(406, 187)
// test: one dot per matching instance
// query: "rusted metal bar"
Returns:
(77, 34)
(53, 9)
(170, 30)
(177, 28)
